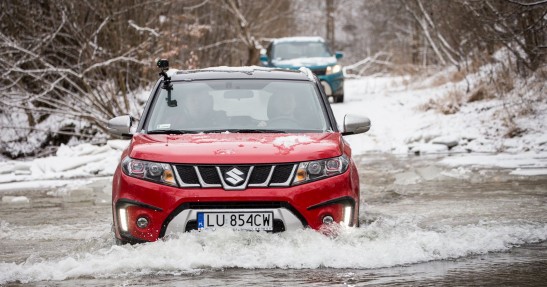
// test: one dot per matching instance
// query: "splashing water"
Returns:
(382, 243)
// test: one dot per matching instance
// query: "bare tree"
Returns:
(69, 66)
(520, 26)
(79, 61)
(234, 31)
(451, 32)
(330, 22)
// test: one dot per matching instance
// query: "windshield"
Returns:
(293, 50)
(238, 106)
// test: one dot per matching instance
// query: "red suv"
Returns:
(246, 148)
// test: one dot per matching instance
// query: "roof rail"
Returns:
(308, 73)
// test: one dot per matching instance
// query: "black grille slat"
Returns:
(260, 174)
(281, 173)
(187, 174)
(209, 174)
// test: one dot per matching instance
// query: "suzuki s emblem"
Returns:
(234, 176)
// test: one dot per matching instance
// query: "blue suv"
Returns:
(312, 53)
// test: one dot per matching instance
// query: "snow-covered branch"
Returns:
(364, 66)
(145, 29)
(219, 43)
(529, 4)
(111, 61)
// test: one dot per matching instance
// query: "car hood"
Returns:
(312, 63)
(236, 148)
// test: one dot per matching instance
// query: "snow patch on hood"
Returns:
(290, 141)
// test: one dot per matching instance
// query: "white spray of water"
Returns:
(383, 243)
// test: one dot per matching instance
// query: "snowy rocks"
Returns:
(16, 201)
(6, 167)
(438, 144)
(448, 141)
(427, 148)
(15, 167)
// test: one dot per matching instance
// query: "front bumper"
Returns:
(170, 210)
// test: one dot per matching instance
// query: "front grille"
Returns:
(235, 177)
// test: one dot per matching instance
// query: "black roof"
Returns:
(240, 73)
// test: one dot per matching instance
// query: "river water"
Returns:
(422, 223)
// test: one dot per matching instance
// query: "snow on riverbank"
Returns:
(400, 125)
(80, 161)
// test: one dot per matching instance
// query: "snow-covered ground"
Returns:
(401, 124)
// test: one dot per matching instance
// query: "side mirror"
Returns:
(355, 125)
(339, 55)
(121, 125)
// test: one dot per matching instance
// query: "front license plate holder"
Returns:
(236, 220)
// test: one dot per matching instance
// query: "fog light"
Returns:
(328, 219)
(122, 217)
(348, 212)
(142, 222)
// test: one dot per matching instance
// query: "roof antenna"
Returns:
(163, 64)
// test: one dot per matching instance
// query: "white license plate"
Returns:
(236, 220)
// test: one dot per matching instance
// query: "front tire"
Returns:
(338, 98)
(120, 242)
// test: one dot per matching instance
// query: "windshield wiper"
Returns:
(246, 131)
(171, 132)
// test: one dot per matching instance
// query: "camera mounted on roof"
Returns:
(163, 64)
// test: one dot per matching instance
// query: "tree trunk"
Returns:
(330, 23)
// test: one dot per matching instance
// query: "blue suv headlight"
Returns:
(333, 69)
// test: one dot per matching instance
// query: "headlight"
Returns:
(149, 170)
(314, 170)
(333, 69)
